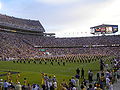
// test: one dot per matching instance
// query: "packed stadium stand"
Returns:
(22, 38)
(18, 23)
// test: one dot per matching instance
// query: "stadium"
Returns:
(31, 56)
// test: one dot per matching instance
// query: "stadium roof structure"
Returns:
(20, 24)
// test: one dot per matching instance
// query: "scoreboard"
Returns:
(104, 29)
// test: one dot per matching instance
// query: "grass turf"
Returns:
(33, 71)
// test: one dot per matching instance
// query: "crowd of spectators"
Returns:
(103, 80)
(25, 24)
(15, 45)
(48, 83)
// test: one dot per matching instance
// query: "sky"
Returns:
(65, 18)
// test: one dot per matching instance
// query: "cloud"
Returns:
(57, 1)
(108, 13)
(80, 18)
(0, 5)
(61, 16)
(76, 17)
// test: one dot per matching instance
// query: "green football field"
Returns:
(33, 71)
